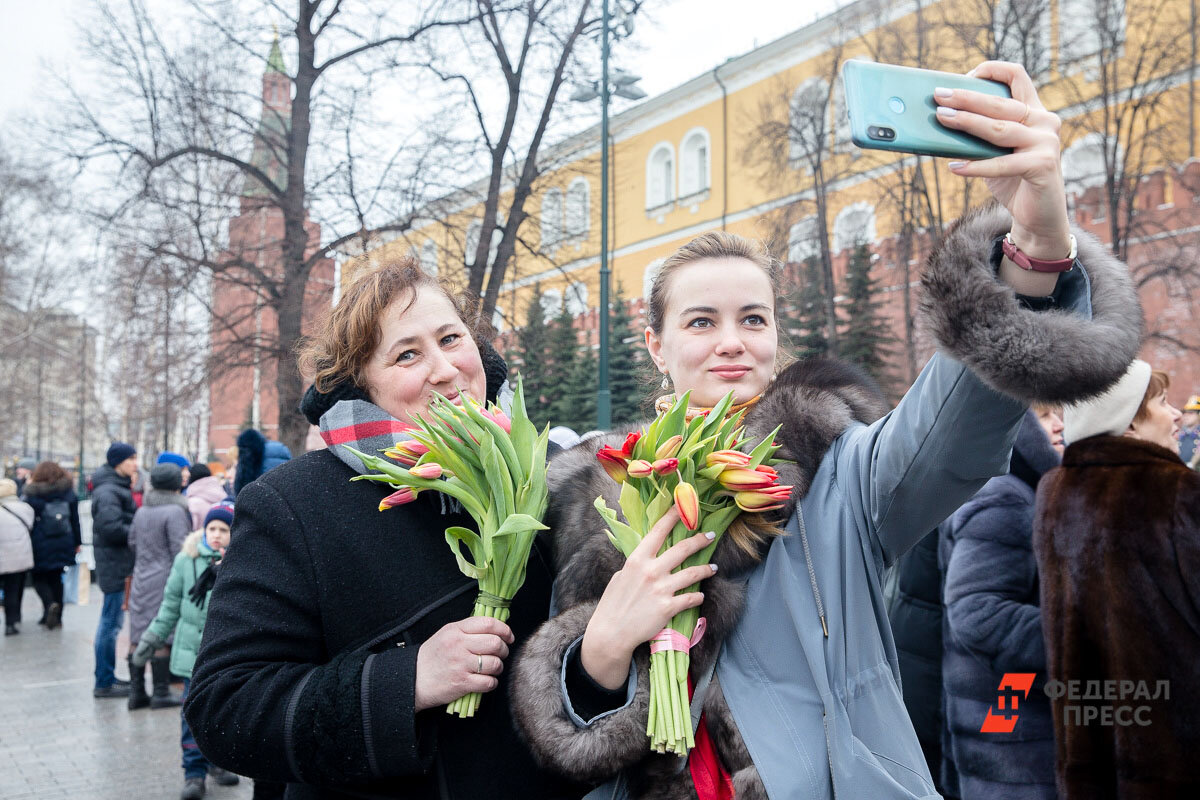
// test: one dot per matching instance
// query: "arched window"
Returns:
(648, 276)
(498, 321)
(552, 218)
(429, 258)
(803, 243)
(578, 209)
(854, 225)
(694, 163)
(552, 303)
(1083, 163)
(471, 241)
(577, 298)
(660, 176)
(808, 118)
(1102, 27)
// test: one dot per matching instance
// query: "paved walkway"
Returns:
(57, 741)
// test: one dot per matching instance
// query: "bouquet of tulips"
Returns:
(696, 466)
(496, 468)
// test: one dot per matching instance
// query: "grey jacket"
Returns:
(795, 713)
(155, 537)
(16, 548)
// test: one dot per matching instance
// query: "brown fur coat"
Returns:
(1117, 538)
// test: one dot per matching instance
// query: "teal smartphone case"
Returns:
(882, 97)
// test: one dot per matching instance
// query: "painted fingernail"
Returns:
(957, 164)
(714, 567)
(942, 91)
(946, 111)
(710, 535)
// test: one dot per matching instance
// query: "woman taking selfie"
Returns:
(337, 634)
(804, 699)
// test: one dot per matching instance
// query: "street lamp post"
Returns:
(624, 88)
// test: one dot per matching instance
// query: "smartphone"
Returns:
(892, 108)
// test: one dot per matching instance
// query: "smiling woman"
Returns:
(337, 633)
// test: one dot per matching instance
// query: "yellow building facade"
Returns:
(696, 157)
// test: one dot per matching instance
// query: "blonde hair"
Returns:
(347, 336)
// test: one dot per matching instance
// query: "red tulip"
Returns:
(431, 471)
(640, 469)
(739, 479)
(407, 452)
(613, 463)
(733, 458)
(498, 417)
(630, 441)
(405, 495)
(688, 503)
(665, 466)
(758, 501)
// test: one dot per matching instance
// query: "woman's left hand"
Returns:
(1028, 182)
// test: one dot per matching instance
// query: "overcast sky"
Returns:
(678, 40)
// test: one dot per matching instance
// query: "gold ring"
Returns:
(1028, 110)
(479, 669)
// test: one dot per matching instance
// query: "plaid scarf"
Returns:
(362, 425)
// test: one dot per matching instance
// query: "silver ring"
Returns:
(479, 669)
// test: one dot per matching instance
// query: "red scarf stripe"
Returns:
(363, 430)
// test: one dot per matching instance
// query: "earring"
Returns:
(666, 382)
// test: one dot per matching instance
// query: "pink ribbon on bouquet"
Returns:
(671, 639)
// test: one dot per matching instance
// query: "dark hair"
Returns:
(347, 336)
(1159, 383)
(48, 472)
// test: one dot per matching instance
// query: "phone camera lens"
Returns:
(881, 133)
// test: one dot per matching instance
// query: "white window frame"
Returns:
(584, 214)
(576, 298)
(843, 238)
(552, 303)
(429, 257)
(471, 240)
(1078, 157)
(803, 243)
(552, 218)
(687, 152)
(1076, 47)
(648, 276)
(1000, 27)
(798, 149)
(668, 196)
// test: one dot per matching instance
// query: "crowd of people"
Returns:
(1030, 494)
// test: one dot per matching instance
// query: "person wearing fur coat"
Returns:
(804, 699)
(1117, 539)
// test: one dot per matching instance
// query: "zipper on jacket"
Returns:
(829, 752)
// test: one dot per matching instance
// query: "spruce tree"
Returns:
(579, 391)
(533, 344)
(805, 322)
(866, 339)
(624, 365)
(561, 354)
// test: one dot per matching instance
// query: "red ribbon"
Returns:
(710, 778)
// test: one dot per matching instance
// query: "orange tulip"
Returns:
(669, 448)
(688, 503)
(407, 453)
(759, 501)
(640, 469)
(739, 479)
(733, 458)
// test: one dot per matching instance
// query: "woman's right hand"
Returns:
(461, 658)
(640, 600)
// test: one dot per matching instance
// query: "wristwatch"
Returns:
(1038, 264)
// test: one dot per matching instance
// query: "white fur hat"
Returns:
(1110, 412)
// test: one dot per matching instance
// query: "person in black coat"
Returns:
(56, 537)
(993, 625)
(337, 634)
(112, 514)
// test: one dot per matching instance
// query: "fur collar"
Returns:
(60, 486)
(1119, 451)
(815, 400)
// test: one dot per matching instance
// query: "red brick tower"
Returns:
(243, 393)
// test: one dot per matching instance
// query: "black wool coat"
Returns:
(1117, 539)
(112, 514)
(306, 672)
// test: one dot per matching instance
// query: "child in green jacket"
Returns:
(183, 611)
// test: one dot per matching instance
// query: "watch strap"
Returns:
(1027, 262)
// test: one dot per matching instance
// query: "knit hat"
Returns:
(167, 457)
(167, 477)
(118, 452)
(222, 511)
(199, 470)
(8, 488)
(1193, 403)
(27, 463)
(1109, 413)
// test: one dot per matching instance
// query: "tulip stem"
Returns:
(468, 704)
